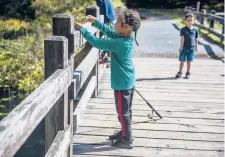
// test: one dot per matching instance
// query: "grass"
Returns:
(2, 111)
(2, 115)
(180, 24)
(217, 25)
(211, 36)
(170, 13)
(117, 3)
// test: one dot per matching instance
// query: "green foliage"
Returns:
(180, 24)
(117, 3)
(51, 7)
(211, 36)
(205, 6)
(21, 59)
(12, 28)
(220, 6)
(21, 63)
(2, 115)
(79, 13)
(20, 9)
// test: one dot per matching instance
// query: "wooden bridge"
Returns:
(76, 105)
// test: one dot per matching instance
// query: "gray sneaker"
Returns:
(123, 144)
(116, 136)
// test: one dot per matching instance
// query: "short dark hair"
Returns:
(190, 14)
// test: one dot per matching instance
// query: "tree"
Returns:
(20, 9)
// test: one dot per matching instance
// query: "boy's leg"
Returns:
(124, 108)
(124, 103)
(190, 58)
(116, 102)
(182, 59)
(181, 66)
(188, 66)
(118, 133)
(131, 100)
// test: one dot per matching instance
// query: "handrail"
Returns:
(66, 72)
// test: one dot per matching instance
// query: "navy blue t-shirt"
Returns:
(107, 10)
(189, 36)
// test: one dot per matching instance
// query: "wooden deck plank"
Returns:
(207, 95)
(152, 134)
(216, 93)
(165, 120)
(157, 126)
(166, 108)
(154, 143)
(159, 102)
(106, 150)
(192, 110)
(142, 113)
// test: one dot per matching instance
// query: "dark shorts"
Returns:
(186, 55)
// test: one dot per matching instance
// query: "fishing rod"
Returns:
(150, 116)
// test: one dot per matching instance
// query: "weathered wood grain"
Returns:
(56, 57)
(63, 25)
(19, 124)
(60, 145)
(155, 143)
(192, 110)
(84, 69)
(84, 98)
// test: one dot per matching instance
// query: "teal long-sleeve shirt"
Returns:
(122, 68)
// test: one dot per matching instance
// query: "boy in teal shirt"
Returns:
(121, 46)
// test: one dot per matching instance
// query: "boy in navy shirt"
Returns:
(188, 44)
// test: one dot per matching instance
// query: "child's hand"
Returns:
(90, 18)
(180, 49)
(77, 26)
(196, 49)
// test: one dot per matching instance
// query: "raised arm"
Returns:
(107, 45)
(111, 33)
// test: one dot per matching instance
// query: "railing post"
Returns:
(202, 18)
(94, 11)
(55, 57)
(198, 6)
(63, 25)
(213, 12)
(198, 10)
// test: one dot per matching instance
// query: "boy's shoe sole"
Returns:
(122, 144)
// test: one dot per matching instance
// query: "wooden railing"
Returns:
(202, 17)
(72, 74)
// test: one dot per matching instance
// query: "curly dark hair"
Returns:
(131, 18)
